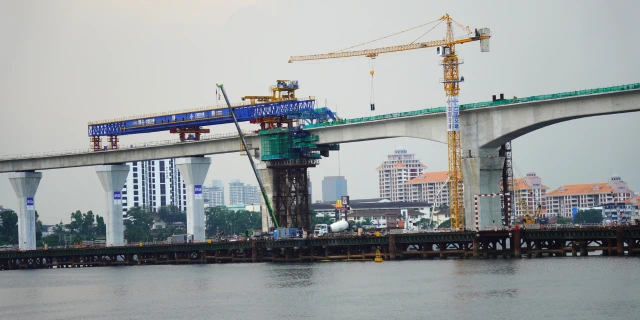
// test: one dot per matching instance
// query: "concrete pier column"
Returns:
(516, 243)
(25, 184)
(112, 178)
(620, 242)
(266, 175)
(194, 171)
(392, 247)
(476, 248)
(482, 173)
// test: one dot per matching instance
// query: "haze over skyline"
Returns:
(65, 63)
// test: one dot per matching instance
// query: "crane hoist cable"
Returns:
(372, 63)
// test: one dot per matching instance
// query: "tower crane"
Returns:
(445, 48)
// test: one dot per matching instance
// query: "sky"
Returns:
(65, 63)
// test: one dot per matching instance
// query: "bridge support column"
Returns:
(481, 174)
(620, 242)
(25, 184)
(516, 243)
(112, 178)
(194, 171)
(266, 174)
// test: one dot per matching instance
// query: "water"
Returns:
(551, 288)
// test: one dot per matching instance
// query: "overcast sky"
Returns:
(64, 63)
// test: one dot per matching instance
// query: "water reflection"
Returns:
(486, 267)
(290, 276)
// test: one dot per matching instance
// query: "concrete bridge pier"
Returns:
(482, 173)
(25, 184)
(266, 174)
(112, 177)
(194, 171)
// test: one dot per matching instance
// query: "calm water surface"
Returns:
(553, 288)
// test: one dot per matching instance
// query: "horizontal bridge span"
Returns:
(482, 126)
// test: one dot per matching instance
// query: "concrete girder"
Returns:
(25, 184)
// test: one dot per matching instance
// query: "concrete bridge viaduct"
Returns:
(484, 130)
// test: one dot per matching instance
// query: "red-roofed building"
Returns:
(588, 195)
(426, 186)
(399, 168)
(528, 195)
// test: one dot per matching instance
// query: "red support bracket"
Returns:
(113, 142)
(194, 133)
(96, 143)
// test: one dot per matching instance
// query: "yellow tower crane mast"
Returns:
(450, 62)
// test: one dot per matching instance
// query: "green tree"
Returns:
(562, 220)
(87, 224)
(101, 228)
(76, 221)
(588, 216)
(38, 228)
(170, 214)
(446, 224)
(138, 229)
(230, 222)
(425, 223)
(9, 228)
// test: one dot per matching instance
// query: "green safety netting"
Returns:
(479, 105)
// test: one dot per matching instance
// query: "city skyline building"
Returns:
(426, 186)
(213, 194)
(528, 196)
(154, 184)
(563, 200)
(241, 194)
(399, 168)
(333, 188)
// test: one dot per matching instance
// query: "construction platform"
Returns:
(611, 241)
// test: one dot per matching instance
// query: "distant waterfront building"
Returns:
(154, 184)
(399, 168)
(213, 194)
(562, 200)
(236, 192)
(425, 188)
(251, 195)
(310, 190)
(333, 187)
(241, 194)
(528, 196)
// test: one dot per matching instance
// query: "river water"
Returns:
(547, 288)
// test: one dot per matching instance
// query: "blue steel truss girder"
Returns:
(202, 118)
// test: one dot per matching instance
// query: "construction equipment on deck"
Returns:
(451, 81)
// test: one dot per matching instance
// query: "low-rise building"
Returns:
(562, 200)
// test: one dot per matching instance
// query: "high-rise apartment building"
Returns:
(236, 192)
(213, 195)
(562, 200)
(241, 194)
(399, 168)
(333, 187)
(154, 184)
(251, 195)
